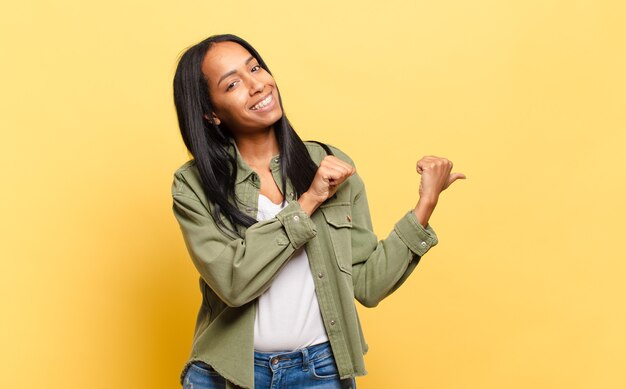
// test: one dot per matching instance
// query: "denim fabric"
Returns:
(310, 367)
(202, 376)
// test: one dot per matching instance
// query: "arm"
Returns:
(379, 267)
(239, 270)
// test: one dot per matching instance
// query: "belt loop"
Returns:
(305, 359)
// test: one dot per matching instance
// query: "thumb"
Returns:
(453, 177)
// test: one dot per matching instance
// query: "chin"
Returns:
(276, 118)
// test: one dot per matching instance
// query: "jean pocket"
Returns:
(325, 368)
(202, 376)
(204, 368)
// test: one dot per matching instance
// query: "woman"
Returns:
(280, 232)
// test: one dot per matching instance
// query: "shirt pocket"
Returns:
(339, 220)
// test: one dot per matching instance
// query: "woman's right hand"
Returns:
(331, 172)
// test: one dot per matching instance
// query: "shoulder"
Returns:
(186, 180)
(185, 167)
(318, 153)
(187, 170)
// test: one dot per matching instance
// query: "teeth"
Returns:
(263, 103)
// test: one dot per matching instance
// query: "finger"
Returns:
(419, 166)
(339, 162)
(345, 169)
(426, 162)
(334, 159)
(330, 175)
(339, 173)
(342, 165)
(459, 176)
(453, 177)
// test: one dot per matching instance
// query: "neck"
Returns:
(258, 149)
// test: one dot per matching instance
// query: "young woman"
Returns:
(280, 232)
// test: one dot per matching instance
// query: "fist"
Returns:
(330, 174)
(436, 176)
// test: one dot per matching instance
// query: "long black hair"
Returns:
(208, 143)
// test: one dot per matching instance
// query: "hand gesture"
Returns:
(436, 176)
(330, 174)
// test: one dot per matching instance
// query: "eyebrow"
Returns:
(233, 71)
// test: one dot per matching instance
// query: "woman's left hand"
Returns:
(436, 176)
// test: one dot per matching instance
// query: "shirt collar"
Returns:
(243, 170)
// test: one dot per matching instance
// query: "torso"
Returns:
(269, 188)
(288, 315)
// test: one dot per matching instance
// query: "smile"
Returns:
(264, 104)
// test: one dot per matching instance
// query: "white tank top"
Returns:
(288, 315)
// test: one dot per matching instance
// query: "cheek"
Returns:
(270, 80)
(231, 106)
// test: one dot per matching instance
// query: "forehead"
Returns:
(223, 57)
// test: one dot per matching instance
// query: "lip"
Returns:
(267, 107)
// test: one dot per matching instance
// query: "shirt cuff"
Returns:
(298, 225)
(417, 238)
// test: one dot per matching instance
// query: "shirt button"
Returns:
(320, 275)
(274, 361)
(332, 322)
(292, 195)
(423, 244)
(296, 218)
(248, 209)
(276, 160)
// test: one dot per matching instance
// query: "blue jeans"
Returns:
(310, 367)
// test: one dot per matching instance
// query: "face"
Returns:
(243, 94)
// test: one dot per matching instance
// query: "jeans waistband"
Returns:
(278, 359)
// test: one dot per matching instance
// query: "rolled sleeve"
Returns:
(419, 239)
(298, 225)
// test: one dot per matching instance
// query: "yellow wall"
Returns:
(526, 288)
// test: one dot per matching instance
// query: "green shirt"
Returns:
(347, 261)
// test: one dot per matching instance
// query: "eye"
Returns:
(231, 85)
(256, 67)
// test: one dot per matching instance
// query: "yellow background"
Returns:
(528, 98)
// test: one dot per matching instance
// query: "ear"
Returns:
(214, 119)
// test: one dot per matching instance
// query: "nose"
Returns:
(256, 85)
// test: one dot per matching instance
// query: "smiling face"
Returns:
(243, 94)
